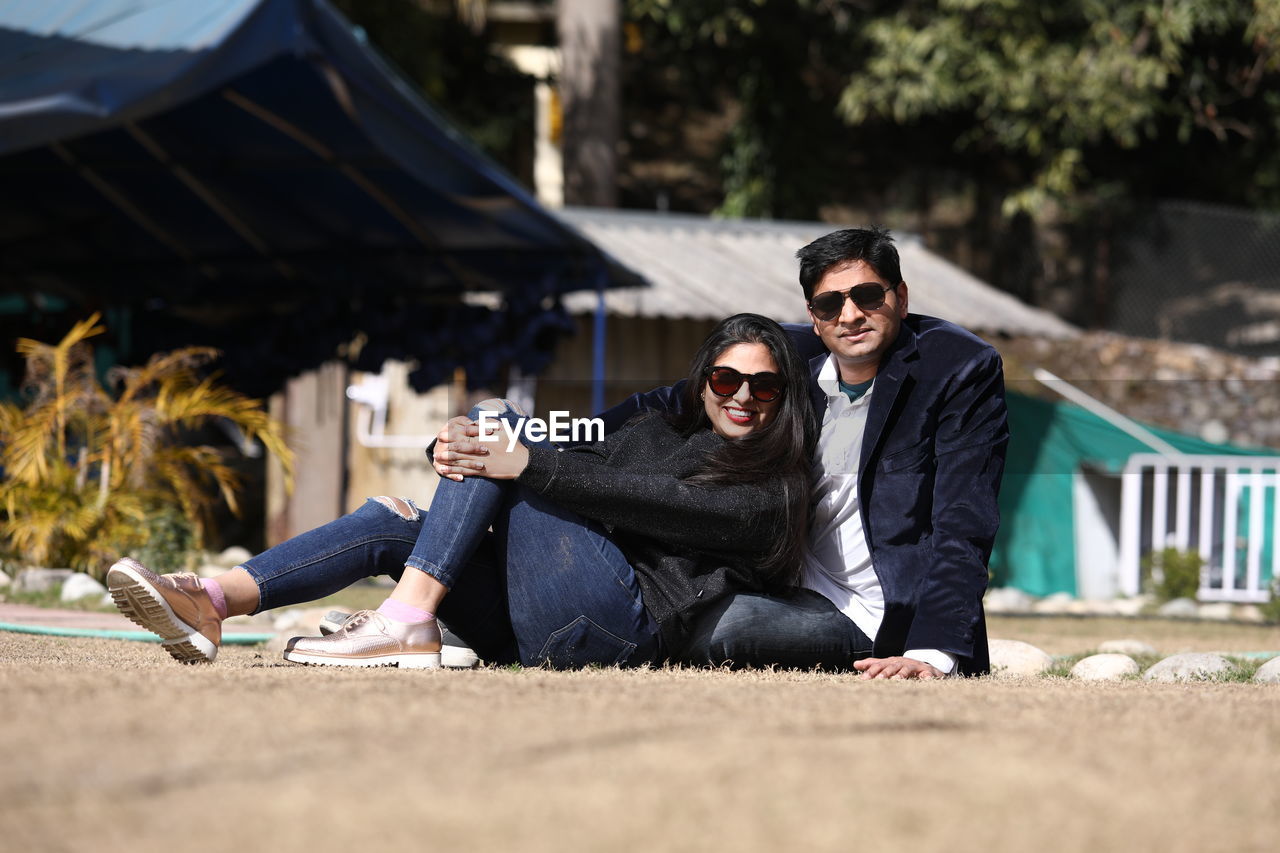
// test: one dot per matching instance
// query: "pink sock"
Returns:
(216, 595)
(401, 612)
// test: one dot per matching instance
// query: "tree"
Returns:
(1022, 116)
(450, 57)
(774, 68)
(1060, 94)
(589, 50)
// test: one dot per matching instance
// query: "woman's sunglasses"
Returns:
(868, 297)
(725, 382)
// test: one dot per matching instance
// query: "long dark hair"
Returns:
(781, 450)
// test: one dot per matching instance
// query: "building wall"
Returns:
(404, 472)
(640, 353)
(313, 408)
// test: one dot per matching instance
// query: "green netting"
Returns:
(1049, 443)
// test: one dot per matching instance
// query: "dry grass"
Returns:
(111, 746)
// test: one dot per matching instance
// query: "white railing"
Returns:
(1225, 507)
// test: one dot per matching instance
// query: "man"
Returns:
(907, 473)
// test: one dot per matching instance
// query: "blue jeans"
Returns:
(800, 631)
(547, 586)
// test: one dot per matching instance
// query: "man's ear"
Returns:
(901, 290)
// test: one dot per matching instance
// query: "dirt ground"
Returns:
(111, 746)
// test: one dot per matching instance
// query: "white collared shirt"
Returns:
(837, 561)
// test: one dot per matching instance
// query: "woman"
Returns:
(601, 554)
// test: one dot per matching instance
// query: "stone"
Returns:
(1251, 613)
(1269, 672)
(1090, 607)
(1058, 603)
(1129, 606)
(210, 570)
(1214, 432)
(40, 580)
(1099, 606)
(233, 556)
(302, 622)
(1219, 611)
(79, 586)
(1127, 646)
(1105, 668)
(1179, 608)
(1007, 599)
(1016, 658)
(1194, 666)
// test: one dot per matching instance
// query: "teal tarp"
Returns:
(1049, 443)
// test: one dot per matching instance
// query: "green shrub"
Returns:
(171, 541)
(1271, 609)
(1171, 573)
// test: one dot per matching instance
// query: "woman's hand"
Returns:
(460, 453)
(499, 463)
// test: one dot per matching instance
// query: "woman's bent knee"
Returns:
(402, 507)
(497, 405)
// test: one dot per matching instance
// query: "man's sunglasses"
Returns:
(725, 382)
(868, 297)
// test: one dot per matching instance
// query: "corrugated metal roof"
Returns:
(710, 268)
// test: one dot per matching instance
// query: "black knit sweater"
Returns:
(690, 545)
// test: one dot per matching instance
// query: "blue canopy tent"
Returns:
(249, 174)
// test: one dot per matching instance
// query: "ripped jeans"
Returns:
(546, 586)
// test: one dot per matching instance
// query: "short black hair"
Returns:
(873, 246)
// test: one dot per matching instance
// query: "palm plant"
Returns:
(87, 470)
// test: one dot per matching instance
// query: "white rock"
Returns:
(1179, 608)
(233, 556)
(4, 580)
(1094, 607)
(79, 586)
(1217, 610)
(1059, 602)
(1007, 599)
(1016, 658)
(1214, 432)
(1249, 613)
(285, 619)
(40, 580)
(211, 570)
(1127, 646)
(1104, 668)
(1129, 606)
(1269, 672)
(302, 622)
(1195, 666)
(1089, 607)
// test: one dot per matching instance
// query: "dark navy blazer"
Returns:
(931, 463)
